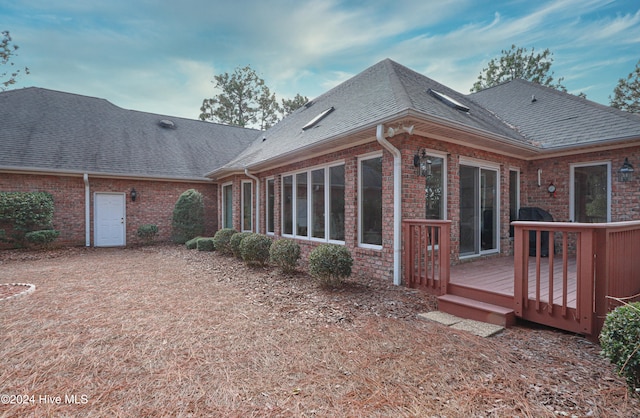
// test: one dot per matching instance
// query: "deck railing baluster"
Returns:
(551, 278)
(538, 257)
(565, 271)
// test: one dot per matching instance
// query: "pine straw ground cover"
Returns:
(163, 331)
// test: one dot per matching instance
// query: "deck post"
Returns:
(445, 256)
(586, 276)
(520, 268)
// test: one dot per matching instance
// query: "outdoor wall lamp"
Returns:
(133, 194)
(422, 162)
(625, 173)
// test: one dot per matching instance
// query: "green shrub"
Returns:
(620, 341)
(188, 216)
(254, 249)
(147, 233)
(42, 238)
(330, 263)
(235, 242)
(205, 244)
(22, 212)
(221, 240)
(285, 254)
(192, 244)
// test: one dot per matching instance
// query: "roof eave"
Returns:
(80, 173)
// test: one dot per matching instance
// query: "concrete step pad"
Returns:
(481, 329)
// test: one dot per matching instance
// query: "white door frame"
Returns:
(96, 219)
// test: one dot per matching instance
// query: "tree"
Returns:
(289, 105)
(268, 109)
(7, 51)
(245, 101)
(519, 63)
(627, 92)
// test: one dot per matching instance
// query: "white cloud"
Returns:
(161, 56)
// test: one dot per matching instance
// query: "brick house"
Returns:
(391, 144)
(348, 167)
(91, 156)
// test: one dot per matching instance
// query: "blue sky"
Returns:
(160, 56)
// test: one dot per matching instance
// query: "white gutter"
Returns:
(257, 180)
(397, 202)
(87, 211)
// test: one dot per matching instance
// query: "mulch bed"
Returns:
(163, 331)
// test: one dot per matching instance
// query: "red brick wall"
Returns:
(154, 204)
(625, 197)
(369, 262)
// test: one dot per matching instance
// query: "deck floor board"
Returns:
(497, 275)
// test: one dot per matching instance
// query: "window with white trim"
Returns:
(590, 192)
(246, 207)
(227, 205)
(370, 201)
(271, 196)
(313, 203)
(287, 205)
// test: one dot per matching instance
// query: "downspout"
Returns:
(87, 211)
(257, 180)
(397, 202)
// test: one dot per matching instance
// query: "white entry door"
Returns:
(109, 219)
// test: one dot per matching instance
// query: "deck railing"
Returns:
(426, 259)
(617, 266)
(607, 263)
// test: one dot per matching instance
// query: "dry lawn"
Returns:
(163, 331)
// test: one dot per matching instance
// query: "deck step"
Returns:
(476, 310)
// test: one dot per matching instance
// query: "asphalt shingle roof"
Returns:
(50, 130)
(505, 112)
(553, 119)
(380, 92)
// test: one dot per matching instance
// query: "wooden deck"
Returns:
(496, 275)
(569, 292)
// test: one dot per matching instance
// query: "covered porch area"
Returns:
(572, 289)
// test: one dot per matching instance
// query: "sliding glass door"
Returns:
(478, 210)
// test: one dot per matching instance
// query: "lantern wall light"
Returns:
(422, 162)
(625, 173)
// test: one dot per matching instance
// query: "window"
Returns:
(514, 198)
(370, 201)
(287, 205)
(271, 196)
(591, 192)
(247, 206)
(301, 204)
(317, 204)
(435, 188)
(313, 203)
(227, 206)
(336, 203)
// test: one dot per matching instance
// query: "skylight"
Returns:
(449, 101)
(317, 119)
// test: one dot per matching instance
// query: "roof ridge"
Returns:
(402, 96)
